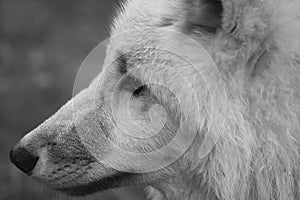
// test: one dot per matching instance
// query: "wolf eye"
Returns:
(142, 90)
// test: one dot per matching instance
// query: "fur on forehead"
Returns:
(243, 20)
(139, 15)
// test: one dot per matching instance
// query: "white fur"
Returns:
(250, 102)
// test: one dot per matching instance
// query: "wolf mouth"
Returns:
(115, 181)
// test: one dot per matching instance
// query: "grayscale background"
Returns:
(42, 44)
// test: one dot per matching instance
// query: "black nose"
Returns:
(23, 159)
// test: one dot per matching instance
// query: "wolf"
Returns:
(199, 99)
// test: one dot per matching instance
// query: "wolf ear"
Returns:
(205, 15)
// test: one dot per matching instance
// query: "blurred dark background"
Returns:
(42, 44)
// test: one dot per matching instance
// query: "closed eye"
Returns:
(142, 90)
(130, 81)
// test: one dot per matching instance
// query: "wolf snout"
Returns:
(23, 159)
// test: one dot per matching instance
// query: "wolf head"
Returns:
(198, 99)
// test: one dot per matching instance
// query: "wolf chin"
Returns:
(243, 111)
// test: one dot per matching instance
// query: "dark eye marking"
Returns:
(122, 64)
(142, 90)
(133, 83)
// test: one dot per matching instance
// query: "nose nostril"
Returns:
(23, 159)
